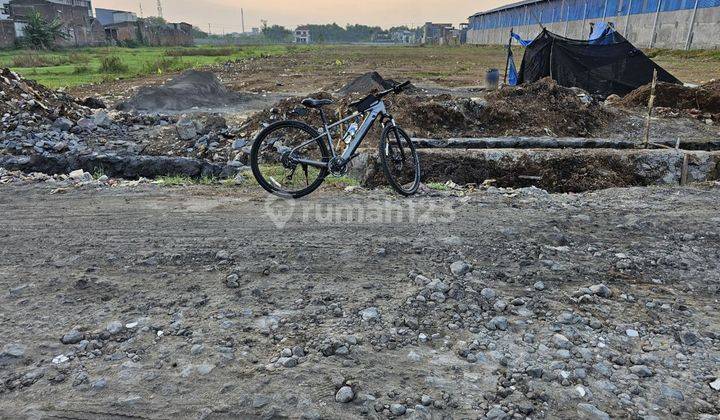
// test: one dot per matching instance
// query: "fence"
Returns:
(681, 24)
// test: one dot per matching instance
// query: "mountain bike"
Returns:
(291, 159)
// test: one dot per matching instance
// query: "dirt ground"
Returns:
(151, 302)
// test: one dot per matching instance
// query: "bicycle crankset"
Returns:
(338, 166)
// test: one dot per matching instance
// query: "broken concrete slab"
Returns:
(130, 167)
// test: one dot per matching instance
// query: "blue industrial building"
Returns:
(680, 24)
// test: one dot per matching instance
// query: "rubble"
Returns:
(702, 102)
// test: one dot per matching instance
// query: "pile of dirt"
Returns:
(191, 89)
(366, 84)
(25, 102)
(537, 109)
(542, 108)
(705, 98)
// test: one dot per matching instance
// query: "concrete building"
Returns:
(435, 33)
(143, 32)
(302, 35)
(403, 37)
(80, 25)
(677, 24)
(110, 16)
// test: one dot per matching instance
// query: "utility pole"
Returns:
(242, 19)
(159, 8)
(141, 10)
(209, 30)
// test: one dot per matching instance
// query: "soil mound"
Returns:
(542, 108)
(705, 98)
(366, 84)
(538, 109)
(191, 89)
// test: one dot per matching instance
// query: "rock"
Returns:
(398, 409)
(488, 293)
(222, 255)
(601, 290)
(61, 358)
(689, 338)
(590, 412)
(539, 285)
(426, 400)
(238, 144)
(99, 385)
(632, 333)
(94, 103)
(12, 351)
(370, 314)
(670, 392)
(498, 323)
(641, 371)
(62, 124)
(562, 342)
(232, 281)
(72, 337)
(496, 413)
(197, 349)
(715, 384)
(186, 129)
(80, 176)
(459, 268)
(114, 327)
(102, 119)
(344, 395)
(86, 124)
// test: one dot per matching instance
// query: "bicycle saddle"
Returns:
(316, 103)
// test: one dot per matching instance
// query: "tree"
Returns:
(41, 34)
(155, 21)
(276, 33)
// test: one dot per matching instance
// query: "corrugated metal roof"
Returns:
(508, 6)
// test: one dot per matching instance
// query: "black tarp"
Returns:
(607, 65)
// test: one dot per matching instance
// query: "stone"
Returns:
(632, 333)
(539, 285)
(496, 413)
(601, 290)
(498, 323)
(459, 268)
(670, 392)
(344, 395)
(86, 124)
(288, 362)
(99, 385)
(80, 175)
(562, 342)
(12, 351)
(102, 119)
(715, 384)
(689, 338)
(590, 412)
(62, 124)
(238, 144)
(398, 409)
(72, 337)
(426, 400)
(114, 327)
(488, 294)
(370, 314)
(641, 371)
(186, 129)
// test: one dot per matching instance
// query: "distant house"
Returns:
(80, 25)
(436, 33)
(146, 32)
(302, 35)
(403, 37)
(110, 16)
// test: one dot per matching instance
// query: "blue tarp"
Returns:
(512, 76)
(521, 41)
(603, 34)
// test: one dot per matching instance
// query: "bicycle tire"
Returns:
(403, 142)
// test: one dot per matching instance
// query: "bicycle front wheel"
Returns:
(399, 160)
(274, 159)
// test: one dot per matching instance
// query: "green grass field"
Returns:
(75, 67)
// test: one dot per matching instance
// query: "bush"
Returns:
(82, 69)
(164, 65)
(113, 64)
(130, 43)
(77, 58)
(32, 59)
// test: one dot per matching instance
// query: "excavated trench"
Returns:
(555, 170)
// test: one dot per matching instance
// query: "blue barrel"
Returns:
(492, 79)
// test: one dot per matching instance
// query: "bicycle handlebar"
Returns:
(395, 89)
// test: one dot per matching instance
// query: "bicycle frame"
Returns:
(371, 115)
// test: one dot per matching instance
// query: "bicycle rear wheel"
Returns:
(274, 154)
(400, 161)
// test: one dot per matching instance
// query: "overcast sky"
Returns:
(225, 14)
